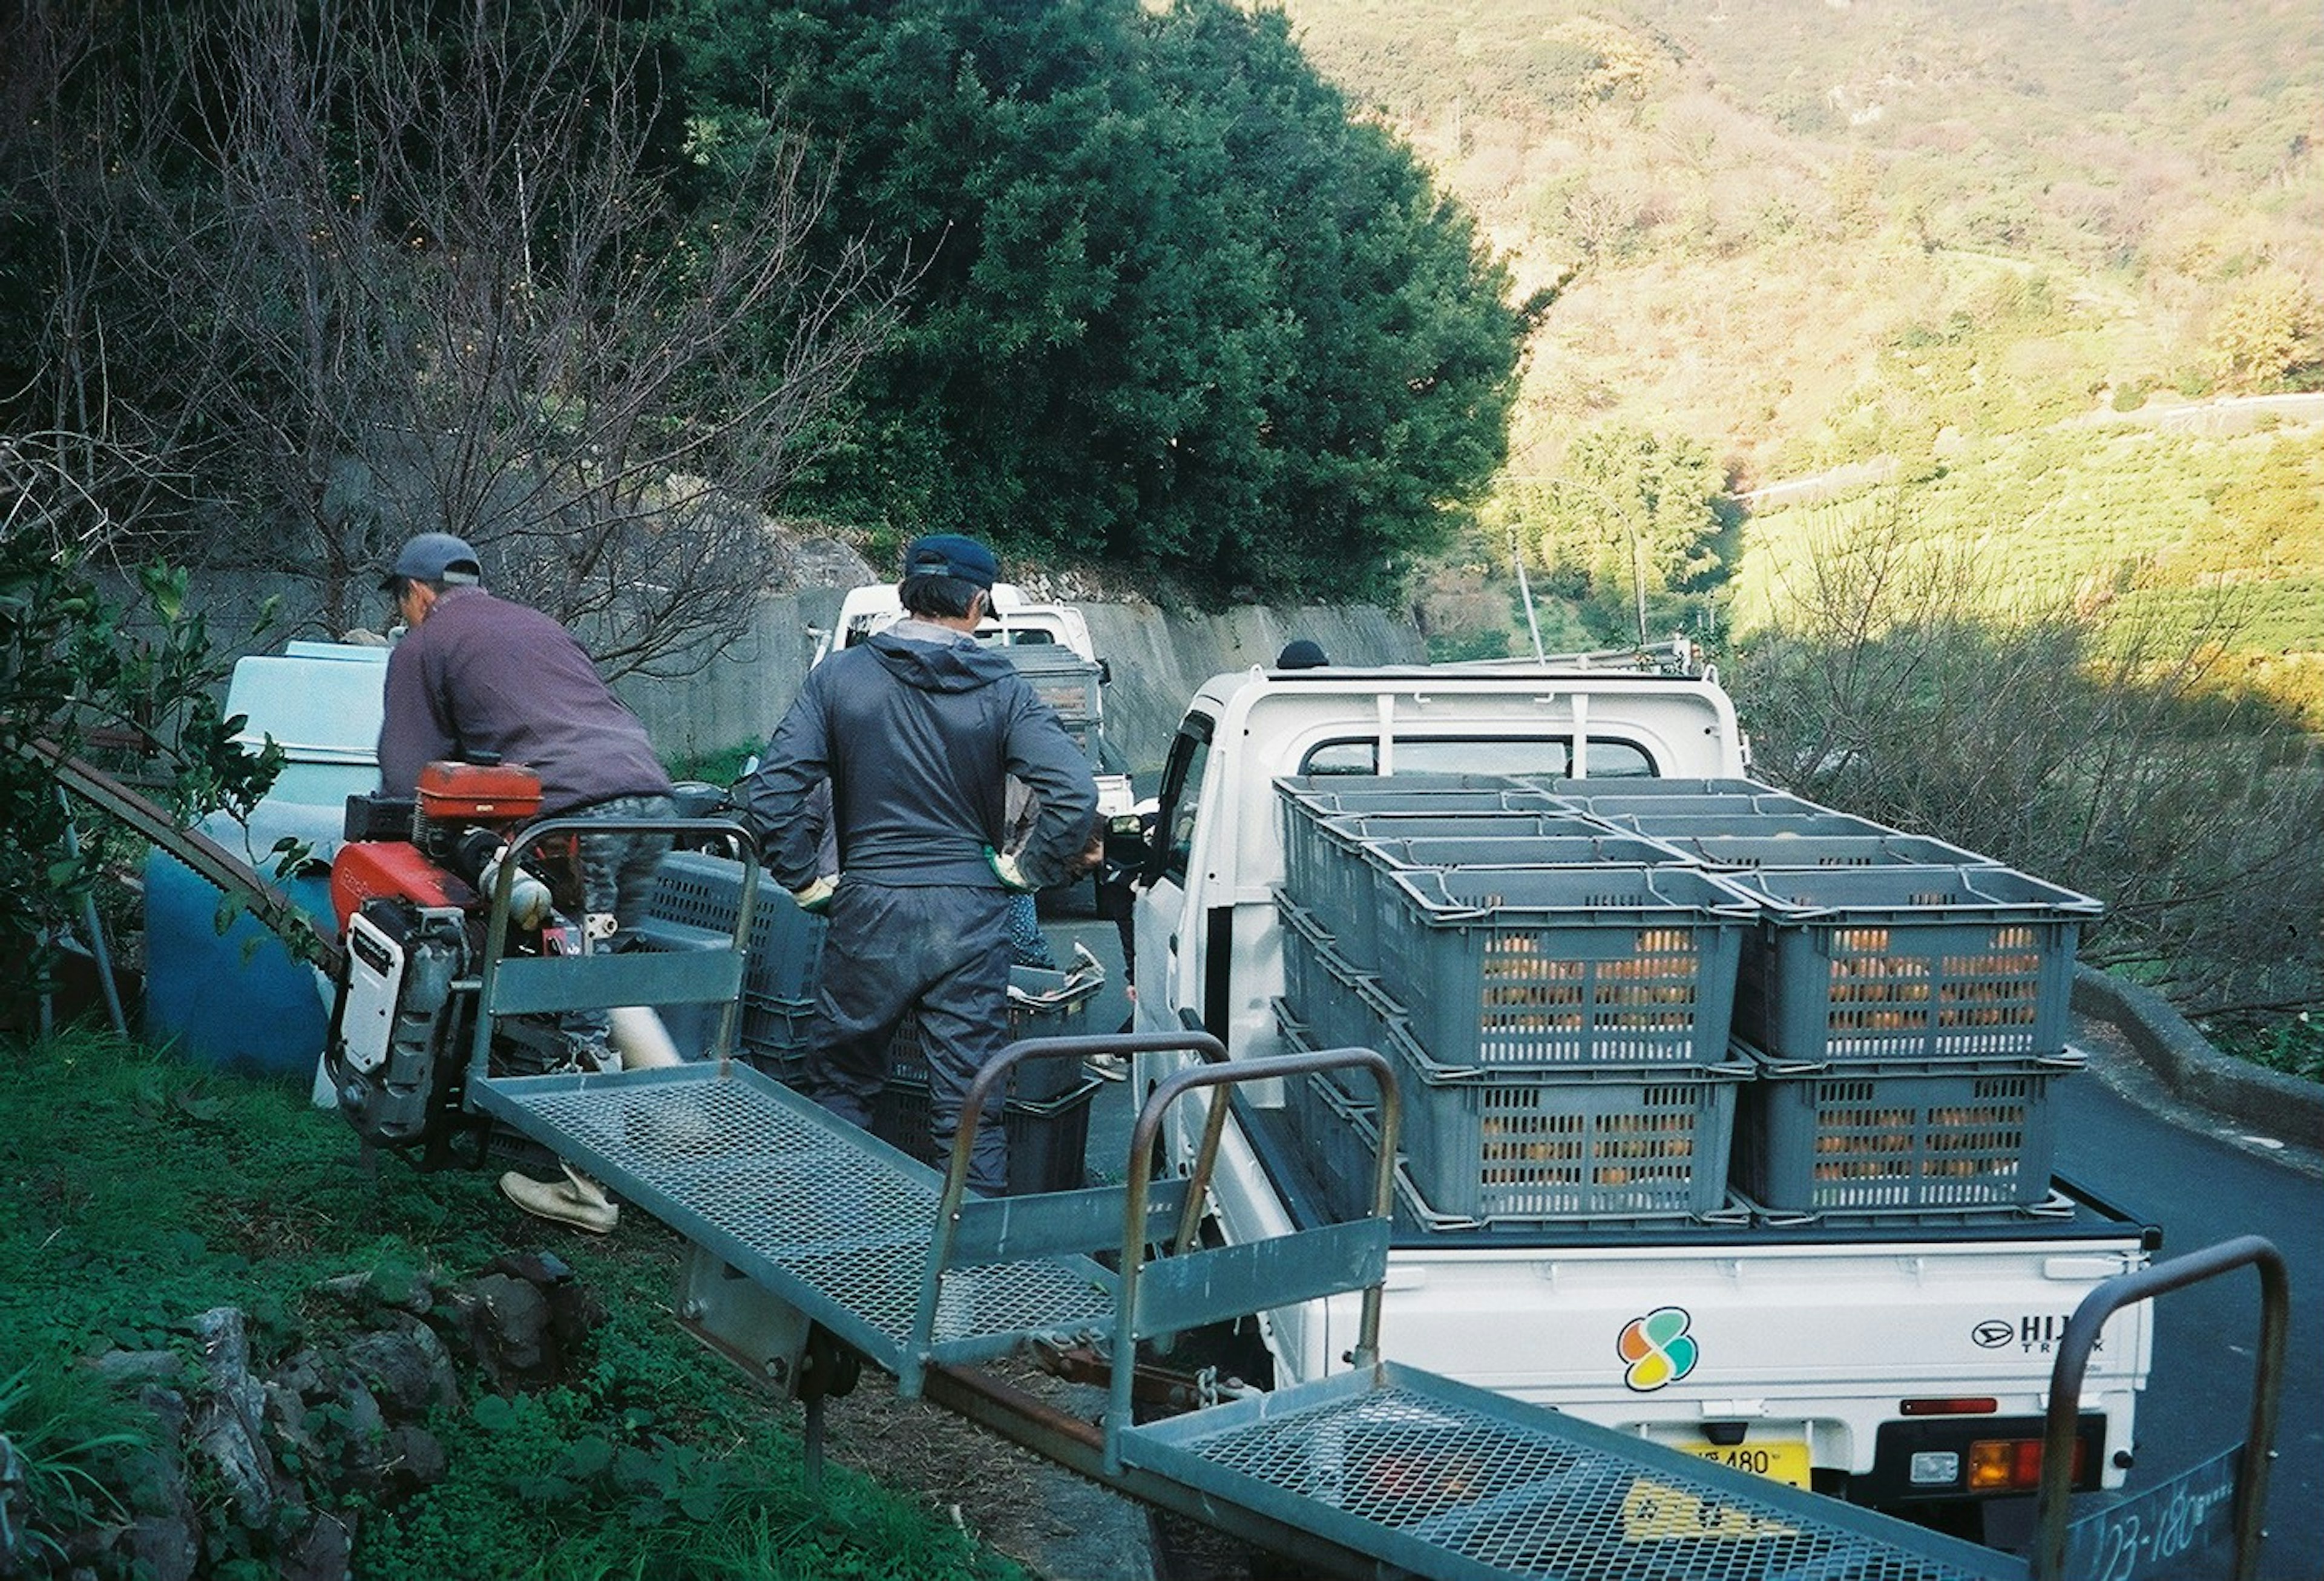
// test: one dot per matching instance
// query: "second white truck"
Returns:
(1897, 1359)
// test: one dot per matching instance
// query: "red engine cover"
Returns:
(393, 870)
(470, 793)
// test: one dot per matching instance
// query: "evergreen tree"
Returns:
(1178, 308)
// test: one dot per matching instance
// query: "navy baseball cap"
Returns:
(948, 554)
(431, 557)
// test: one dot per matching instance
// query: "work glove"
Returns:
(528, 897)
(815, 898)
(1005, 869)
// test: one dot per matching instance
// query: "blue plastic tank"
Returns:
(240, 999)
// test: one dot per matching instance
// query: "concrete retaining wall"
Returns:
(1157, 660)
(2190, 1069)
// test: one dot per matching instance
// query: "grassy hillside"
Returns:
(1807, 233)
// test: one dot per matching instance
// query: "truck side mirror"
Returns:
(1105, 672)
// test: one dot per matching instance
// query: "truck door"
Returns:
(1169, 926)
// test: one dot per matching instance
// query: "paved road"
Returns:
(2204, 1184)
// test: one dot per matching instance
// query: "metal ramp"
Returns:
(1379, 1471)
(829, 1219)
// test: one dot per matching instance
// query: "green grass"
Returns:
(2293, 1045)
(143, 1190)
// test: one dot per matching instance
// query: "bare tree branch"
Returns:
(372, 279)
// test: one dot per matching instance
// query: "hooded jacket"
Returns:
(917, 729)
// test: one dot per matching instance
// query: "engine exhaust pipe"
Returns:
(639, 1036)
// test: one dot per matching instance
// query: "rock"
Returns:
(507, 1326)
(520, 1319)
(323, 1551)
(139, 1366)
(229, 1416)
(408, 1369)
(164, 1539)
(393, 1288)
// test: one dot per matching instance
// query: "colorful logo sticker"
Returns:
(1658, 1348)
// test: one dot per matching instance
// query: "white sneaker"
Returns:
(576, 1199)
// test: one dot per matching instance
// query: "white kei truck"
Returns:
(1901, 1361)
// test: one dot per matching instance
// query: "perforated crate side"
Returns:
(1867, 1139)
(776, 1029)
(1048, 1141)
(1033, 1080)
(785, 944)
(1524, 969)
(1340, 1147)
(1319, 983)
(1905, 963)
(1341, 882)
(1631, 1144)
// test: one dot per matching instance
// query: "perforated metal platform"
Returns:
(822, 1213)
(1451, 1482)
(1428, 1476)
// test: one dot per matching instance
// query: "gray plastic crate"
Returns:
(1630, 1141)
(1540, 967)
(1318, 982)
(1325, 867)
(774, 1032)
(1352, 892)
(1668, 826)
(1340, 1145)
(1821, 851)
(1901, 1139)
(1331, 796)
(1048, 1141)
(785, 944)
(1769, 804)
(1060, 677)
(1647, 785)
(1908, 964)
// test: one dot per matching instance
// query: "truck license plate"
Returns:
(1776, 1459)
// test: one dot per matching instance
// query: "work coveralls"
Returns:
(917, 729)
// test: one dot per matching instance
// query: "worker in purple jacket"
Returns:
(477, 676)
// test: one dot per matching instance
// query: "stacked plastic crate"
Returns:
(1905, 1004)
(1047, 1116)
(694, 899)
(1554, 992)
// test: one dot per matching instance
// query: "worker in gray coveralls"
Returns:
(917, 729)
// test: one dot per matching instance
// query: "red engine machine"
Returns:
(411, 888)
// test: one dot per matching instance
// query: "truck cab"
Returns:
(1016, 621)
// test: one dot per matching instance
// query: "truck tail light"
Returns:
(1965, 1405)
(2012, 1464)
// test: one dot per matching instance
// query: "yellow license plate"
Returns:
(1784, 1460)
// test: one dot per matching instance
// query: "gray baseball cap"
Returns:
(431, 557)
